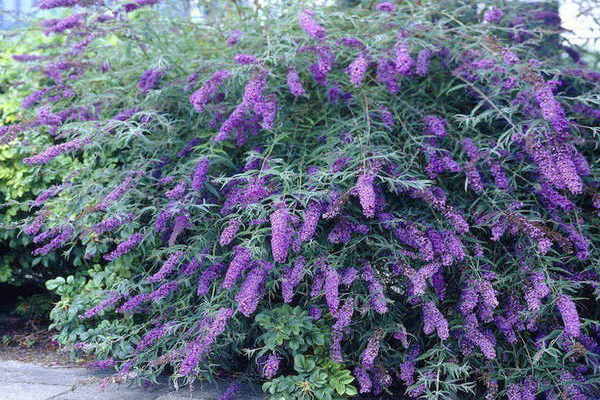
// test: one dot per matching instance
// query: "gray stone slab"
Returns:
(112, 392)
(23, 381)
(206, 395)
(29, 391)
(208, 391)
(17, 371)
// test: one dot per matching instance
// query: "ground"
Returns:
(27, 381)
(32, 367)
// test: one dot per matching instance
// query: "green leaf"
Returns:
(53, 284)
(351, 391)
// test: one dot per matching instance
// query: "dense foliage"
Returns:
(19, 183)
(393, 198)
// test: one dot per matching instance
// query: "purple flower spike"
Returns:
(386, 6)
(310, 26)
(367, 357)
(151, 336)
(435, 125)
(404, 62)
(311, 219)
(331, 286)
(423, 60)
(208, 276)
(168, 267)
(251, 290)
(294, 83)
(60, 237)
(199, 175)
(245, 59)
(569, 315)
(201, 97)
(281, 233)
(133, 303)
(271, 366)
(125, 247)
(48, 4)
(366, 194)
(291, 278)
(229, 232)
(433, 320)
(357, 70)
(240, 262)
(149, 79)
(197, 349)
(103, 305)
(364, 381)
(493, 15)
(552, 110)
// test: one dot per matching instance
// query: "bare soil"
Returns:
(32, 342)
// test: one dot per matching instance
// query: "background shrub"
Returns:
(419, 181)
(19, 183)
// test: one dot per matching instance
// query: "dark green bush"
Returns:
(19, 183)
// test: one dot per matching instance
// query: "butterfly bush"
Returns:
(421, 180)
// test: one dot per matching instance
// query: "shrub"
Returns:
(419, 179)
(19, 183)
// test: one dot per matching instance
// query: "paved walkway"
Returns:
(24, 381)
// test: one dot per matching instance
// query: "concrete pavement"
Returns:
(25, 381)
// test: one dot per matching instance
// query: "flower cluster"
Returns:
(251, 290)
(292, 277)
(167, 267)
(280, 233)
(112, 223)
(59, 237)
(149, 79)
(54, 151)
(103, 305)
(294, 83)
(125, 247)
(240, 262)
(201, 97)
(310, 26)
(151, 336)
(198, 349)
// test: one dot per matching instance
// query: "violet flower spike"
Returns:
(404, 62)
(208, 276)
(310, 26)
(386, 6)
(125, 247)
(251, 290)
(201, 97)
(229, 232)
(199, 176)
(291, 278)
(569, 315)
(167, 267)
(493, 15)
(240, 262)
(294, 83)
(281, 233)
(367, 357)
(271, 366)
(312, 214)
(331, 286)
(366, 194)
(357, 70)
(196, 350)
